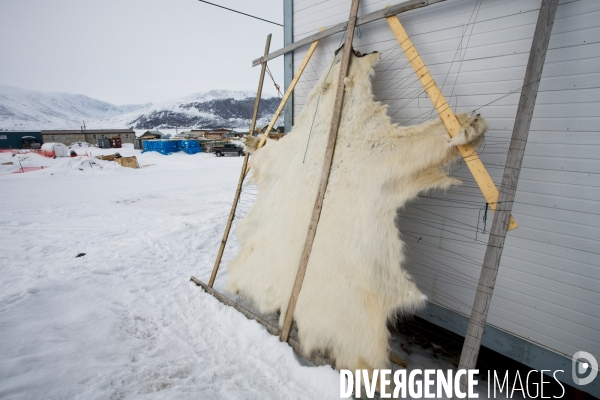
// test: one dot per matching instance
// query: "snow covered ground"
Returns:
(124, 321)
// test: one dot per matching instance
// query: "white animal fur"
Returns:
(354, 281)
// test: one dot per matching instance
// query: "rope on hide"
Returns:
(460, 51)
(319, 100)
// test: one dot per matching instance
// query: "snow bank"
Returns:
(124, 321)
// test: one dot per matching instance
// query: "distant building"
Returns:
(151, 135)
(194, 134)
(69, 137)
(20, 139)
(235, 135)
(217, 133)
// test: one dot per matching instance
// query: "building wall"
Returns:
(14, 139)
(548, 287)
(92, 138)
(125, 137)
(67, 138)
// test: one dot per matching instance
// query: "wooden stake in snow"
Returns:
(242, 173)
(333, 131)
(491, 260)
(246, 163)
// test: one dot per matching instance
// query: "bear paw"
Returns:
(470, 131)
(251, 143)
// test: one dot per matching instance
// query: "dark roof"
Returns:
(79, 131)
(18, 132)
(216, 129)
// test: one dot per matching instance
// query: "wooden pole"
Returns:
(213, 275)
(482, 177)
(246, 163)
(333, 131)
(286, 96)
(491, 260)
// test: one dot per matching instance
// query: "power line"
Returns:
(239, 12)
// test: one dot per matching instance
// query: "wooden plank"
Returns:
(286, 96)
(510, 178)
(238, 191)
(333, 131)
(365, 19)
(482, 177)
(316, 358)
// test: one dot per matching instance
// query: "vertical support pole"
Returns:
(213, 275)
(333, 131)
(510, 178)
(288, 61)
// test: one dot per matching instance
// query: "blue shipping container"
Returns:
(189, 146)
(162, 146)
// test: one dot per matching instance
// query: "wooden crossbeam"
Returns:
(286, 97)
(482, 177)
(342, 26)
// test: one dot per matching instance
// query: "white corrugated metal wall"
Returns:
(548, 289)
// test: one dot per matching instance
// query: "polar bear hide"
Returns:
(354, 280)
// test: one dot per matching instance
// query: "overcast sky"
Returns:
(136, 51)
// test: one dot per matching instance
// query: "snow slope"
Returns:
(22, 109)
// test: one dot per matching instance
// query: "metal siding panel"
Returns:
(547, 288)
(288, 61)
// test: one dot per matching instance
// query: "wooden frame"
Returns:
(286, 96)
(468, 152)
(342, 26)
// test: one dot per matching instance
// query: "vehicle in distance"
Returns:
(231, 149)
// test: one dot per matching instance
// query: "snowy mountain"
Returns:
(222, 108)
(22, 109)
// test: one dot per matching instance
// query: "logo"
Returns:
(584, 363)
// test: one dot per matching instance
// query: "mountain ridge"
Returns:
(23, 109)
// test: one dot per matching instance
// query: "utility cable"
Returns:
(239, 12)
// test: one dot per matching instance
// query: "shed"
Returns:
(546, 305)
(115, 142)
(55, 150)
(104, 143)
(151, 135)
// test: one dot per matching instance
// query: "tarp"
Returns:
(54, 150)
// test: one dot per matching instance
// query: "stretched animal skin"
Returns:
(354, 280)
